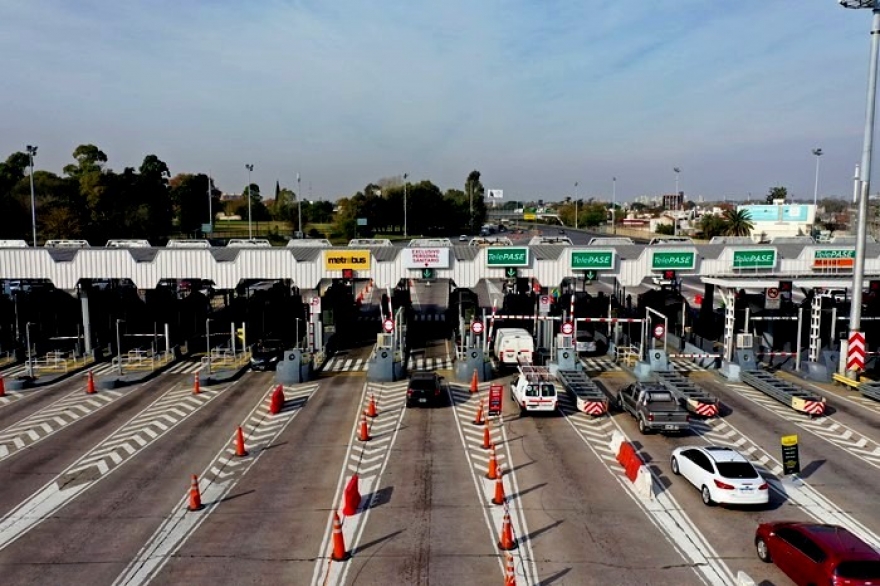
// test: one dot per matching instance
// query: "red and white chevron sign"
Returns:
(855, 354)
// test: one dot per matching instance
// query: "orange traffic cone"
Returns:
(371, 408)
(478, 420)
(487, 442)
(499, 497)
(239, 444)
(90, 385)
(492, 473)
(364, 433)
(2, 387)
(507, 542)
(196, 384)
(475, 382)
(509, 572)
(195, 497)
(339, 553)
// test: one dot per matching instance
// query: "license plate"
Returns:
(670, 427)
(423, 400)
(746, 489)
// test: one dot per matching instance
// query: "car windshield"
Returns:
(736, 470)
(422, 384)
(548, 391)
(865, 570)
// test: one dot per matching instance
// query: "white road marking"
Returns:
(220, 476)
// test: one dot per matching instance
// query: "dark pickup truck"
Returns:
(654, 408)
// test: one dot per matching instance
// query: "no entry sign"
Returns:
(567, 328)
(388, 325)
(659, 330)
(477, 327)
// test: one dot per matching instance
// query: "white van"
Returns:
(513, 345)
(534, 389)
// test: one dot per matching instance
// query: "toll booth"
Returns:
(473, 359)
(294, 367)
(385, 364)
(565, 355)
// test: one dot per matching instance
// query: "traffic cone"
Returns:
(487, 441)
(492, 473)
(475, 382)
(371, 408)
(507, 542)
(276, 403)
(509, 572)
(478, 420)
(90, 384)
(499, 497)
(2, 387)
(239, 444)
(364, 433)
(195, 497)
(339, 553)
(196, 384)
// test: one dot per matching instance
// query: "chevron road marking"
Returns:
(369, 459)
(421, 363)
(21, 370)
(465, 406)
(795, 490)
(826, 428)
(663, 510)
(98, 463)
(343, 364)
(599, 364)
(66, 411)
(220, 476)
(185, 367)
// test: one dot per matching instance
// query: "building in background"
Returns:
(780, 220)
(673, 201)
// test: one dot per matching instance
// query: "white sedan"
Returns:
(721, 474)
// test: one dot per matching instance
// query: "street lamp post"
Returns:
(32, 152)
(210, 206)
(818, 153)
(614, 205)
(208, 342)
(405, 175)
(855, 316)
(249, 167)
(300, 208)
(575, 205)
(118, 347)
(675, 218)
(30, 362)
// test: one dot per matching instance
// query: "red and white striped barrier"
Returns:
(814, 407)
(611, 320)
(594, 408)
(695, 355)
(707, 409)
(777, 353)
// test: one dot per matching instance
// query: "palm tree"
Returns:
(739, 223)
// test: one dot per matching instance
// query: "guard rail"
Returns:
(785, 392)
(588, 397)
(692, 397)
(870, 389)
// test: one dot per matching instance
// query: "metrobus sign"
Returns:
(838, 258)
(762, 258)
(507, 256)
(673, 260)
(592, 259)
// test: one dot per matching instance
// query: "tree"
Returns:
(89, 159)
(738, 223)
(476, 192)
(665, 229)
(777, 193)
(712, 225)
(188, 196)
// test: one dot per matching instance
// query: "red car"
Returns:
(810, 553)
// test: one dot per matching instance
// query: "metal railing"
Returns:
(628, 355)
(60, 362)
(142, 360)
(224, 358)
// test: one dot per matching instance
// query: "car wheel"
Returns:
(706, 495)
(642, 426)
(763, 550)
(674, 465)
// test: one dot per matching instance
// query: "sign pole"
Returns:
(797, 358)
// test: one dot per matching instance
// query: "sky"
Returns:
(535, 94)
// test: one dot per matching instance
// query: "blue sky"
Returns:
(534, 94)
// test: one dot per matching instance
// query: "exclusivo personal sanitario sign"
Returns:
(426, 258)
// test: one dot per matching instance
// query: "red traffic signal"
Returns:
(785, 286)
(347, 273)
(668, 275)
(874, 286)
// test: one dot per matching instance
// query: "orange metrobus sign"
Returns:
(337, 260)
(837, 258)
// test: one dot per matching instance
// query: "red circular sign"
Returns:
(477, 327)
(567, 328)
(772, 293)
(659, 330)
(388, 324)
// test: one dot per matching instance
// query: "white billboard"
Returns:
(425, 258)
(495, 194)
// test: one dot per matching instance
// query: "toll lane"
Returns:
(272, 524)
(102, 519)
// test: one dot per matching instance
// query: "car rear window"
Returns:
(548, 391)
(858, 570)
(736, 470)
(656, 397)
(531, 391)
(422, 384)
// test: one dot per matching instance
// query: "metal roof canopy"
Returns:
(764, 282)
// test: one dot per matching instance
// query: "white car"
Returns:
(584, 343)
(721, 474)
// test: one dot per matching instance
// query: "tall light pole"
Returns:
(30, 362)
(818, 153)
(32, 152)
(210, 205)
(855, 316)
(675, 218)
(575, 205)
(300, 211)
(249, 167)
(118, 347)
(471, 200)
(208, 342)
(405, 175)
(614, 205)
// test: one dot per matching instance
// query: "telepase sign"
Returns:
(426, 258)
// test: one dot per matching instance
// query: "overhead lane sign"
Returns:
(837, 258)
(507, 256)
(583, 260)
(337, 260)
(677, 260)
(426, 258)
(761, 258)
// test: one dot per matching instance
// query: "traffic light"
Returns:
(785, 289)
(668, 275)
(874, 286)
(348, 274)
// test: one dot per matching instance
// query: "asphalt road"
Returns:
(101, 500)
